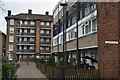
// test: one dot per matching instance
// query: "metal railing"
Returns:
(11, 73)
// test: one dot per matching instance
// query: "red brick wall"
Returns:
(108, 30)
(37, 36)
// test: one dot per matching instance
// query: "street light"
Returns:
(63, 67)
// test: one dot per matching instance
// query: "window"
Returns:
(11, 21)
(41, 48)
(41, 31)
(25, 39)
(20, 30)
(42, 23)
(87, 27)
(47, 23)
(61, 39)
(10, 57)
(69, 35)
(74, 34)
(32, 47)
(47, 40)
(25, 47)
(55, 13)
(25, 30)
(32, 31)
(55, 42)
(73, 19)
(69, 23)
(32, 39)
(32, 23)
(47, 48)
(83, 32)
(94, 24)
(10, 47)
(20, 47)
(11, 38)
(51, 23)
(20, 39)
(25, 22)
(41, 39)
(11, 29)
(47, 32)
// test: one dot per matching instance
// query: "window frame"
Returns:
(11, 38)
(11, 47)
(11, 29)
(11, 21)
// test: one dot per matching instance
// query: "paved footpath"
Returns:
(29, 72)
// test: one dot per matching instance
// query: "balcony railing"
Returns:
(27, 33)
(25, 50)
(44, 42)
(45, 51)
(27, 42)
(45, 34)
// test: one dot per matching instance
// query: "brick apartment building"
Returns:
(2, 43)
(91, 31)
(28, 35)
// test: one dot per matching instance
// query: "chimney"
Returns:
(46, 13)
(29, 11)
(9, 12)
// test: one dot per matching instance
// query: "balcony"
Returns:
(45, 45)
(45, 34)
(44, 42)
(29, 51)
(45, 51)
(26, 43)
(27, 33)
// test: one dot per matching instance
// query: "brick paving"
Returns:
(29, 72)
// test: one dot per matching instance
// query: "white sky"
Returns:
(22, 6)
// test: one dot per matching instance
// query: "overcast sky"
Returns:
(22, 6)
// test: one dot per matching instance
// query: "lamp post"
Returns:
(63, 67)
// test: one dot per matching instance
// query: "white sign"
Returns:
(111, 42)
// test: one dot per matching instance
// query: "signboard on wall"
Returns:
(111, 42)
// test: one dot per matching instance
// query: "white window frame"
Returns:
(47, 24)
(41, 39)
(32, 47)
(10, 47)
(25, 47)
(25, 22)
(11, 38)
(32, 31)
(47, 48)
(10, 57)
(32, 39)
(25, 39)
(47, 39)
(41, 48)
(42, 23)
(32, 23)
(25, 30)
(47, 31)
(11, 29)
(41, 31)
(11, 21)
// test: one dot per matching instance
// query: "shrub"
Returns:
(41, 60)
(49, 61)
(6, 68)
(59, 63)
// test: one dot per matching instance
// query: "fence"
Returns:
(72, 73)
(11, 73)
